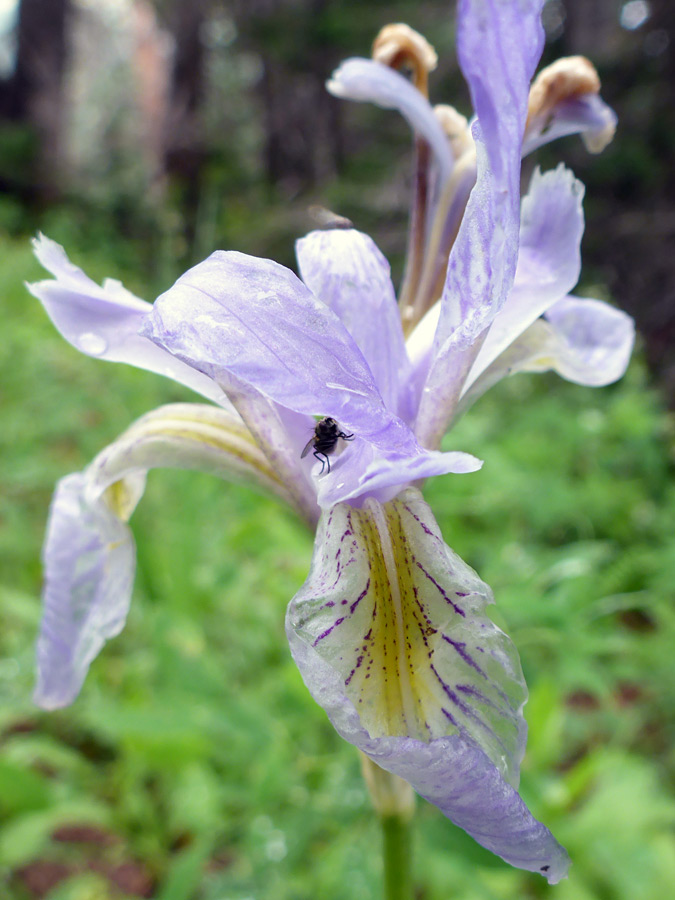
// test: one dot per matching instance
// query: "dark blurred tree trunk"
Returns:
(185, 151)
(34, 96)
(303, 139)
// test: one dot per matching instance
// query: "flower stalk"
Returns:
(397, 853)
(394, 801)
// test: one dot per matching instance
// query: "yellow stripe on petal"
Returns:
(401, 618)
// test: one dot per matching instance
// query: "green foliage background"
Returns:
(196, 751)
(194, 765)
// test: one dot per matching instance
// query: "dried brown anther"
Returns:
(456, 127)
(401, 47)
(566, 79)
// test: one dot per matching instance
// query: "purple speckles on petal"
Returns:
(438, 636)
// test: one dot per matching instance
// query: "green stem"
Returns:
(397, 847)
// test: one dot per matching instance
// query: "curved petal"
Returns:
(346, 270)
(587, 115)
(89, 554)
(103, 322)
(237, 316)
(594, 341)
(549, 259)
(364, 472)
(90, 560)
(585, 341)
(391, 638)
(369, 81)
(499, 43)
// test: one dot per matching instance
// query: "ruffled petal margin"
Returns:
(585, 341)
(390, 636)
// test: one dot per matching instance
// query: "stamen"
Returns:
(401, 47)
(456, 126)
(447, 219)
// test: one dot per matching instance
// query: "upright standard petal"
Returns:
(369, 81)
(499, 44)
(103, 322)
(346, 270)
(391, 638)
(89, 554)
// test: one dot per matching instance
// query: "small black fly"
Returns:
(324, 441)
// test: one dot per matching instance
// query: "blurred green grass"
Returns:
(196, 766)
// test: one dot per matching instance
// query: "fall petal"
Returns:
(89, 555)
(585, 341)
(89, 559)
(594, 340)
(391, 638)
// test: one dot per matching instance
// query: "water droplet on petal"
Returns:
(92, 344)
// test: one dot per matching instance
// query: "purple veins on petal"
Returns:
(89, 560)
(455, 735)
(408, 611)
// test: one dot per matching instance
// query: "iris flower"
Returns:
(389, 631)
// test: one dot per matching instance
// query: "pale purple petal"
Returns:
(89, 554)
(594, 340)
(585, 341)
(499, 43)
(587, 115)
(237, 316)
(103, 322)
(549, 259)
(363, 471)
(391, 638)
(346, 270)
(370, 81)
(89, 560)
